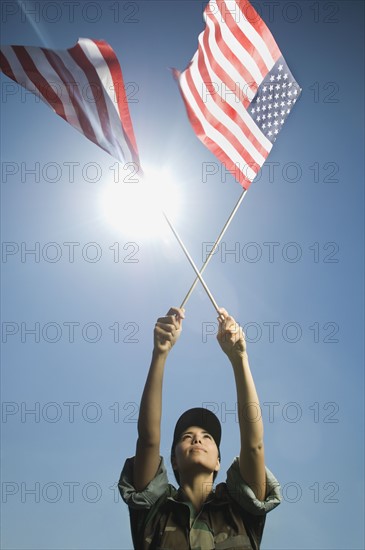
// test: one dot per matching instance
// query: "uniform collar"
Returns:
(180, 496)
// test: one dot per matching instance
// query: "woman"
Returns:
(197, 516)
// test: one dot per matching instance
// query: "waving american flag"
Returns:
(237, 89)
(83, 85)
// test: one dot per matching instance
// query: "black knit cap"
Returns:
(203, 418)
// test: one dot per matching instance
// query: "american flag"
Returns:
(237, 89)
(83, 85)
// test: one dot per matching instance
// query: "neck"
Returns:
(197, 488)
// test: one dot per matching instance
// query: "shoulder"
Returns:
(145, 507)
(242, 493)
(158, 487)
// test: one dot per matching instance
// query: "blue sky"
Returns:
(290, 269)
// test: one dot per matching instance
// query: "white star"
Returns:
(264, 125)
(277, 96)
(258, 109)
(276, 131)
(272, 77)
(280, 67)
(258, 118)
(284, 85)
(277, 87)
(278, 77)
(290, 84)
(282, 121)
(264, 98)
(270, 97)
(276, 104)
(276, 114)
(263, 117)
(269, 124)
(285, 76)
(264, 88)
(282, 112)
(258, 100)
(295, 91)
(289, 102)
(269, 115)
(289, 94)
(269, 133)
(288, 111)
(271, 87)
(264, 108)
(283, 94)
(282, 104)
(276, 123)
(253, 110)
(269, 106)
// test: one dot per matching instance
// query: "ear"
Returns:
(218, 465)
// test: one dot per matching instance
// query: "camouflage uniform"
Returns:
(163, 518)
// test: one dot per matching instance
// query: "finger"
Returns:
(230, 319)
(167, 327)
(230, 332)
(169, 320)
(177, 311)
(163, 335)
(222, 314)
(230, 323)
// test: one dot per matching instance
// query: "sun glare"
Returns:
(136, 207)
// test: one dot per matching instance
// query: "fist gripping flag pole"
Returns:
(60, 78)
(238, 92)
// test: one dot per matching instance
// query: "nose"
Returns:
(197, 438)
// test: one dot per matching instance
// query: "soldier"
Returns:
(197, 516)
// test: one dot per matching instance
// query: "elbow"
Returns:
(149, 438)
(254, 448)
(148, 442)
(259, 447)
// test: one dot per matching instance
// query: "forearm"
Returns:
(252, 455)
(149, 420)
(147, 456)
(249, 412)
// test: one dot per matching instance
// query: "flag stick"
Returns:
(198, 275)
(214, 247)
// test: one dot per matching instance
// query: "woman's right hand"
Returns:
(167, 330)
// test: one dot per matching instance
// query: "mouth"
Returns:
(197, 450)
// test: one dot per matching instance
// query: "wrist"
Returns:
(239, 360)
(159, 354)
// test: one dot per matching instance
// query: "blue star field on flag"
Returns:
(274, 100)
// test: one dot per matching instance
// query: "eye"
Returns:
(185, 436)
(208, 436)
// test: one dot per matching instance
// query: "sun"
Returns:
(136, 207)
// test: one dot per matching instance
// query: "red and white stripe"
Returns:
(236, 51)
(84, 85)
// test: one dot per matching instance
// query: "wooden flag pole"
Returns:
(198, 278)
(198, 275)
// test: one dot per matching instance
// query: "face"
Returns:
(196, 449)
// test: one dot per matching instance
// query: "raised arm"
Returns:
(147, 459)
(252, 464)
